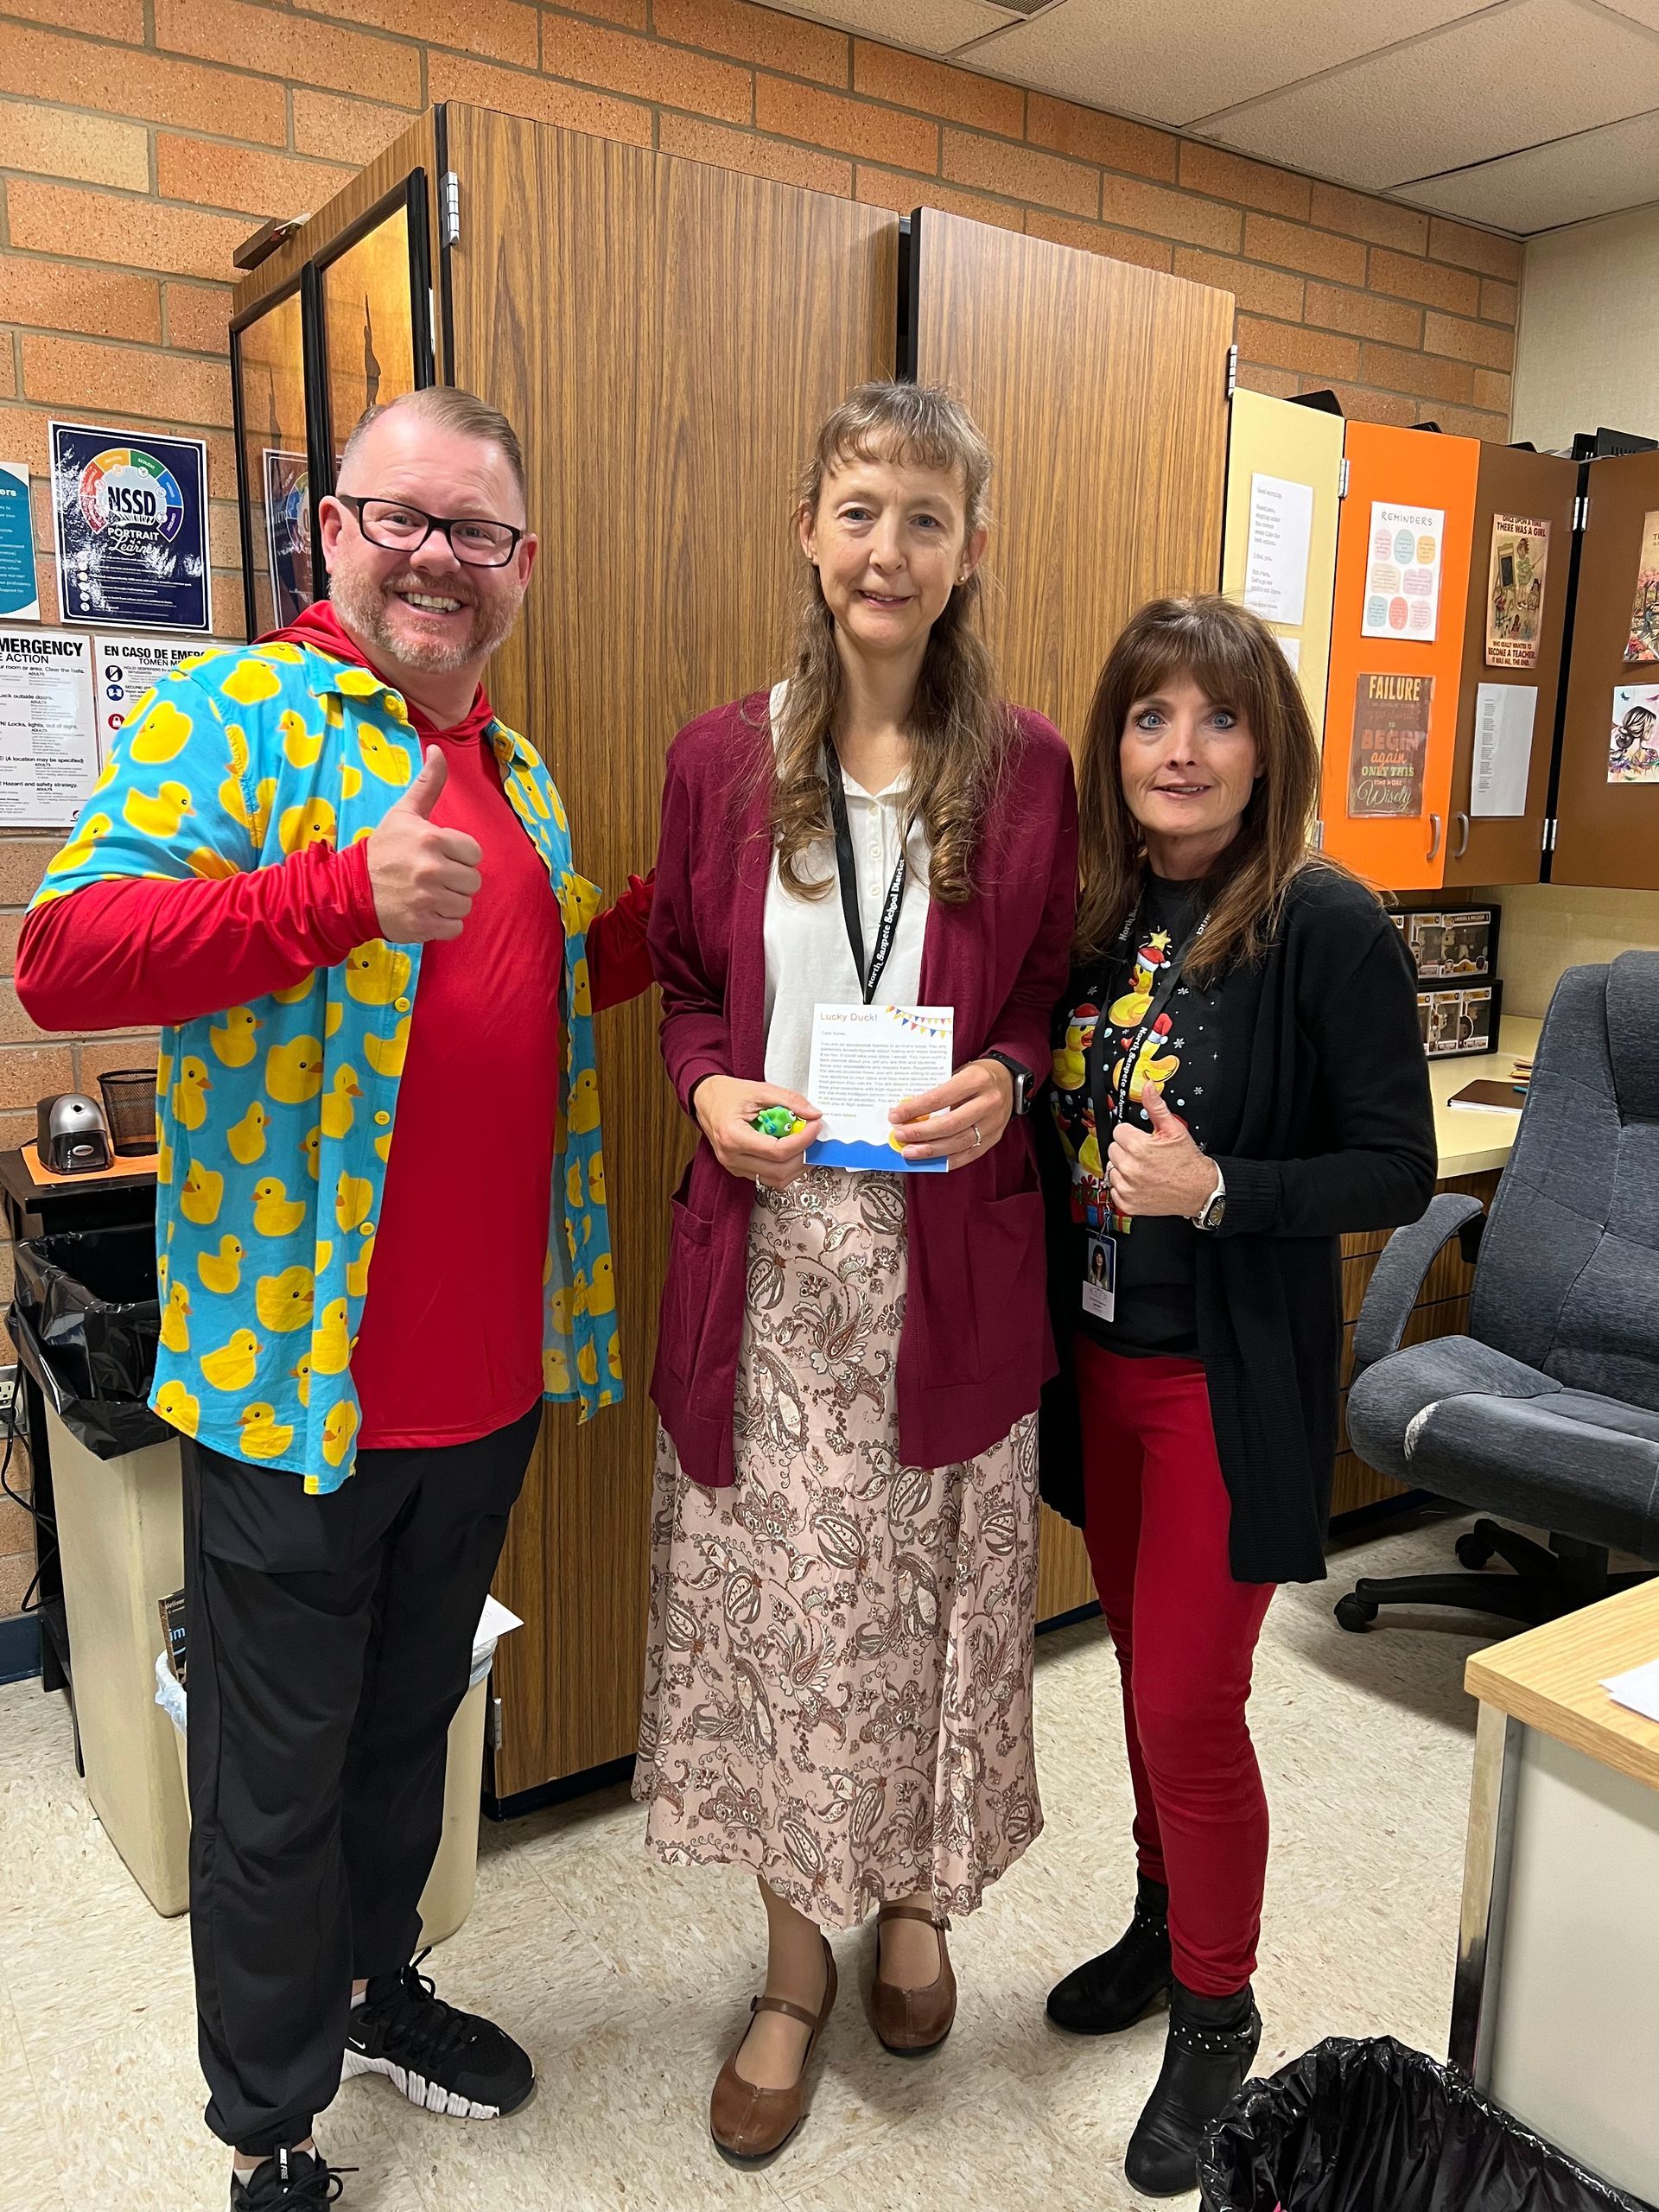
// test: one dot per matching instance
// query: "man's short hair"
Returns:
(449, 409)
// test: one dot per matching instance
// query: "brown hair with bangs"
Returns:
(959, 731)
(1235, 661)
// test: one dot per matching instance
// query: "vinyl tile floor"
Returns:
(630, 1982)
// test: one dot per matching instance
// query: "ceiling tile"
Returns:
(1179, 59)
(1591, 173)
(1508, 78)
(923, 26)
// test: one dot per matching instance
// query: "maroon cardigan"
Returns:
(974, 1350)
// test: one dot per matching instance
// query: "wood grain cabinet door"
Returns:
(1512, 486)
(1103, 390)
(1607, 824)
(667, 338)
(1372, 678)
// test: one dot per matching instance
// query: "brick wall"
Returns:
(142, 140)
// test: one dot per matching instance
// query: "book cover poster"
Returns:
(1402, 572)
(1633, 750)
(1389, 755)
(1643, 643)
(1514, 591)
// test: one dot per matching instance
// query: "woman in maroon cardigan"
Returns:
(844, 1540)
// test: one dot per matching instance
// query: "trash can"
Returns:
(85, 1321)
(1374, 2126)
(447, 1897)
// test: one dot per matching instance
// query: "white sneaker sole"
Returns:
(430, 2096)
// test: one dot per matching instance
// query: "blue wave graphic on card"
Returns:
(857, 1152)
(867, 1059)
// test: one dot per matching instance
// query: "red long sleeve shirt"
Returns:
(450, 1347)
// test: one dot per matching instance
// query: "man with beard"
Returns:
(358, 957)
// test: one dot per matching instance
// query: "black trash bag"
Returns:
(1375, 2127)
(86, 1320)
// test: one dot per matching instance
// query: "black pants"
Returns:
(330, 1643)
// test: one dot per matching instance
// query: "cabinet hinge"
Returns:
(1581, 511)
(495, 1724)
(1549, 833)
(1341, 478)
(1232, 370)
(449, 209)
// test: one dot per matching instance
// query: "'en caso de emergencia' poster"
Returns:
(129, 520)
(1387, 761)
(1514, 590)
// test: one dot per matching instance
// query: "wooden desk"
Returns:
(1558, 1954)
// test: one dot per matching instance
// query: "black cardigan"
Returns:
(1336, 1135)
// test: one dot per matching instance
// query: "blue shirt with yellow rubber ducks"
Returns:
(237, 759)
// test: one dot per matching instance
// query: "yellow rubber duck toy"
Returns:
(1131, 1007)
(256, 823)
(313, 1150)
(79, 849)
(161, 817)
(1089, 1155)
(386, 1054)
(189, 1093)
(353, 1196)
(556, 1371)
(174, 1404)
(251, 681)
(222, 1272)
(601, 1292)
(275, 1214)
(584, 1103)
(198, 1201)
(1151, 1067)
(339, 1427)
(163, 1158)
(376, 974)
(331, 1344)
(294, 1071)
(175, 1327)
(356, 1270)
(296, 992)
(233, 1038)
(1070, 1059)
(211, 865)
(263, 1436)
(161, 735)
(300, 746)
(314, 824)
(246, 1138)
(596, 1180)
(285, 1301)
(333, 1015)
(231, 1367)
(382, 758)
(303, 1376)
(614, 1357)
(338, 1111)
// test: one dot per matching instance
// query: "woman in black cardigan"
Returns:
(1237, 1079)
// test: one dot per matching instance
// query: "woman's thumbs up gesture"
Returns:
(1159, 1171)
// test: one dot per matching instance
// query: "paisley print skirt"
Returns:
(838, 1677)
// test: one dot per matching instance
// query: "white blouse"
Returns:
(809, 961)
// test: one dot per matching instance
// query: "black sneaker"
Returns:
(442, 2060)
(289, 2180)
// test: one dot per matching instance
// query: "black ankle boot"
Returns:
(1207, 2057)
(1114, 1991)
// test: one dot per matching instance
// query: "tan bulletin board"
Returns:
(1296, 445)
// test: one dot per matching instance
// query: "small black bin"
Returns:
(85, 1321)
(1375, 2127)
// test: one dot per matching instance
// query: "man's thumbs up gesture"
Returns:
(424, 879)
(1160, 1170)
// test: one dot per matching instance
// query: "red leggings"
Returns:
(1158, 1516)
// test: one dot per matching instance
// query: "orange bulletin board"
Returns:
(1410, 469)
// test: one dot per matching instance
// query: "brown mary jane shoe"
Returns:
(748, 2122)
(911, 2021)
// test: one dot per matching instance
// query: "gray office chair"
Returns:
(1548, 1411)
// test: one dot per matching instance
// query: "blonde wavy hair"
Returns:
(959, 730)
(1235, 661)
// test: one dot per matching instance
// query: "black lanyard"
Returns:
(847, 870)
(1160, 998)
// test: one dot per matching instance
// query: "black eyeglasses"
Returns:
(399, 528)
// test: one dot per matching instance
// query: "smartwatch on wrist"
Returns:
(1210, 1213)
(1024, 1081)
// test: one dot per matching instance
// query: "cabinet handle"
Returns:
(1433, 836)
(1463, 840)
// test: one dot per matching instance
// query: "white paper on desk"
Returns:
(1275, 553)
(865, 1059)
(1503, 719)
(1637, 1690)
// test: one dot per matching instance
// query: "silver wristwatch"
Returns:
(1209, 1214)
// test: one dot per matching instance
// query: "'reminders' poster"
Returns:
(1643, 641)
(1402, 572)
(1390, 751)
(129, 518)
(1514, 591)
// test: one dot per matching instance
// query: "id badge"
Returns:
(1100, 1278)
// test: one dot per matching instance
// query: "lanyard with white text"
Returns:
(847, 870)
